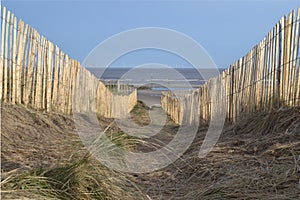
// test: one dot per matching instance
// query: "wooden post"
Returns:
(250, 79)
(2, 66)
(28, 81)
(49, 76)
(296, 61)
(278, 65)
(14, 62)
(263, 69)
(7, 64)
(241, 85)
(261, 79)
(269, 75)
(292, 69)
(61, 81)
(282, 61)
(244, 74)
(45, 74)
(56, 79)
(34, 65)
(71, 85)
(11, 44)
(39, 79)
(272, 78)
(66, 83)
(24, 63)
(288, 32)
(20, 55)
(74, 71)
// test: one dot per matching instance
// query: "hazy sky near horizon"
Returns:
(226, 29)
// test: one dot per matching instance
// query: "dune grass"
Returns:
(84, 179)
(44, 159)
(256, 158)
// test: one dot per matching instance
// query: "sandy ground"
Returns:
(149, 97)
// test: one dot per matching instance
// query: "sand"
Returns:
(149, 97)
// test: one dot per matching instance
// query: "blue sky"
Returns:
(226, 29)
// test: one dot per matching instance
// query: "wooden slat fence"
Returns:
(267, 77)
(36, 73)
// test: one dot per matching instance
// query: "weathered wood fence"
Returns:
(267, 77)
(36, 73)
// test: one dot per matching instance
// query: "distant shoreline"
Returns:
(154, 77)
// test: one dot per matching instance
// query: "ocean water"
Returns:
(158, 78)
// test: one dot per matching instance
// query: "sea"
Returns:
(155, 78)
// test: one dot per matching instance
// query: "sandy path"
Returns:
(149, 97)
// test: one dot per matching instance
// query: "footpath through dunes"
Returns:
(43, 158)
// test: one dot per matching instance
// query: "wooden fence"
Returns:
(267, 77)
(36, 73)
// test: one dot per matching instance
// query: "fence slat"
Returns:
(14, 62)
(291, 61)
(6, 62)
(39, 75)
(61, 79)
(26, 42)
(20, 55)
(49, 76)
(55, 78)
(297, 60)
(2, 66)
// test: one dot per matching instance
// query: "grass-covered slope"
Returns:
(42, 157)
(256, 158)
